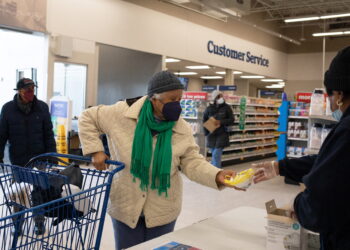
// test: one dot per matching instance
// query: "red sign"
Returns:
(304, 97)
(195, 95)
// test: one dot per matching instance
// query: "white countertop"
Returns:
(241, 228)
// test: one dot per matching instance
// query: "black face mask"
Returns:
(172, 111)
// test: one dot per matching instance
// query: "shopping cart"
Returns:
(73, 219)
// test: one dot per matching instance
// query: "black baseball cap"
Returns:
(24, 82)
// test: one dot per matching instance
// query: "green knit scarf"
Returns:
(142, 148)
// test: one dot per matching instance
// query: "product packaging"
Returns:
(242, 179)
(283, 232)
(317, 102)
(316, 136)
(325, 131)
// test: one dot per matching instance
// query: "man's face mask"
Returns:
(28, 94)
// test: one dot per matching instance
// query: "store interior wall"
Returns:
(231, 27)
(124, 73)
(149, 32)
(242, 87)
(83, 52)
(305, 72)
(195, 84)
(253, 90)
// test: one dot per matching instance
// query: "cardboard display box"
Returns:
(283, 232)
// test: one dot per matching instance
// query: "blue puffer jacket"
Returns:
(28, 134)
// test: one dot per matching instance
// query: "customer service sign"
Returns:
(246, 56)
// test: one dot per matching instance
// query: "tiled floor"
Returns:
(200, 202)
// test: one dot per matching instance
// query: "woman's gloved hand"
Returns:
(265, 171)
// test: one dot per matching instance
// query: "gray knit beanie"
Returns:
(337, 76)
(163, 81)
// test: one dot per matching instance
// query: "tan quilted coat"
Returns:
(127, 200)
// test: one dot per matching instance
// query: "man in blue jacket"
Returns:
(25, 123)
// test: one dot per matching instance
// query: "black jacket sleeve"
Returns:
(324, 205)
(228, 121)
(50, 143)
(296, 169)
(3, 133)
(206, 118)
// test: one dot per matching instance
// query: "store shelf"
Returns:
(255, 105)
(251, 129)
(257, 113)
(252, 139)
(259, 121)
(322, 117)
(297, 139)
(294, 156)
(298, 117)
(248, 156)
(252, 146)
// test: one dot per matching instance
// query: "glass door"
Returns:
(70, 81)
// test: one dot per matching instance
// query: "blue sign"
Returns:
(209, 88)
(59, 109)
(267, 93)
(237, 55)
(184, 81)
(227, 87)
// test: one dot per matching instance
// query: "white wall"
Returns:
(119, 23)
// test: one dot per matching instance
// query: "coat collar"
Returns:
(134, 110)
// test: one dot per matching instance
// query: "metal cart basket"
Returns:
(72, 215)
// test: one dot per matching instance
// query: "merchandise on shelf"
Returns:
(315, 140)
(318, 104)
(297, 129)
(189, 108)
(254, 132)
(325, 131)
(296, 151)
(299, 109)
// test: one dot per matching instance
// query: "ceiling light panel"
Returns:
(185, 73)
(198, 67)
(211, 77)
(272, 80)
(171, 60)
(252, 77)
(338, 33)
(301, 19)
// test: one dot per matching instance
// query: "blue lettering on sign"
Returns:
(267, 93)
(237, 55)
(227, 87)
(208, 88)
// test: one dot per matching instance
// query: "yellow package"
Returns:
(242, 179)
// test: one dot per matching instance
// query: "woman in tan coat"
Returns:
(155, 145)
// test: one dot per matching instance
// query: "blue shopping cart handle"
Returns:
(76, 157)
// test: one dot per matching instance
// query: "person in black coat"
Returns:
(218, 139)
(25, 123)
(324, 205)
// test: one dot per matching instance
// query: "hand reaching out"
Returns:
(265, 171)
